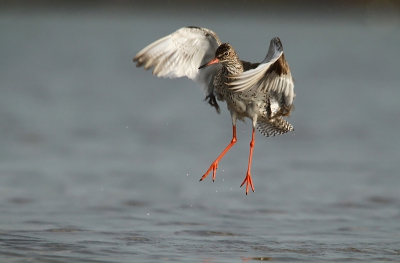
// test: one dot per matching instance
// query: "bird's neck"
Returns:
(233, 67)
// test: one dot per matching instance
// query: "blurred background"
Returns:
(100, 160)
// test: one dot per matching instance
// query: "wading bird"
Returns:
(262, 92)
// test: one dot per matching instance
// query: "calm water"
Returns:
(100, 161)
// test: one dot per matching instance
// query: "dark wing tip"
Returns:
(139, 61)
(193, 27)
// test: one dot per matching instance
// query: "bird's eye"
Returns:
(226, 53)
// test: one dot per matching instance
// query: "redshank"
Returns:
(262, 92)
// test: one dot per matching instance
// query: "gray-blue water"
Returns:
(100, 161)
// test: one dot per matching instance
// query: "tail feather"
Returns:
(275, 126)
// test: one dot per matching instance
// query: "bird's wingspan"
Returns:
(181, 53)
(272, 75)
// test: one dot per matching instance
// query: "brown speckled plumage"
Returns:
(267, 120)
(262, 92)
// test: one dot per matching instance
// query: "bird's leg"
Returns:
(248, 179)
(214, 165)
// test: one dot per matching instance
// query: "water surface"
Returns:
(100, 161)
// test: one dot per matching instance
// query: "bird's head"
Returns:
(223, 54)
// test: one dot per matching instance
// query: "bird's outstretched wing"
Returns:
(180, 54)
(272, 76)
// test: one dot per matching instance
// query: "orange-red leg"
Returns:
(214, 165)
(248, 179)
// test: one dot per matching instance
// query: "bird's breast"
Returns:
(236, 101)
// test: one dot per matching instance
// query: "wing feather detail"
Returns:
(271, 76)
(180, 54)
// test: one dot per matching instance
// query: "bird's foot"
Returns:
(248, 182)
(213, 167)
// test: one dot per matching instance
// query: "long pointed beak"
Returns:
(212, 61)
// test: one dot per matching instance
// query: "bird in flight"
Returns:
(262, 92)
